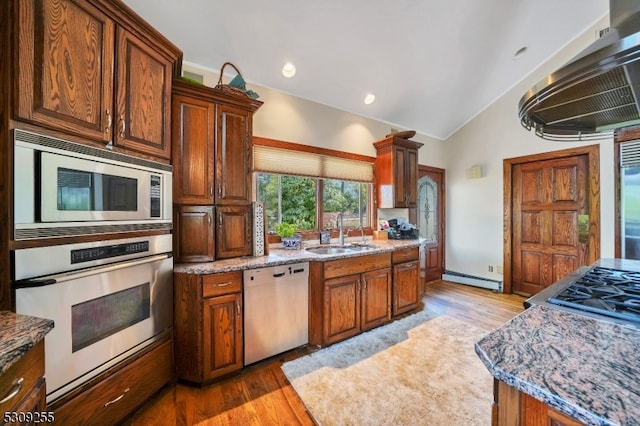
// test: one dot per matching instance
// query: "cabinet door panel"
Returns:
(222, 334)
(66, 66)
(233, 155)
(193, 150)
(376, 298)
(143, 90)
(341, 308)
(399, 173)
(412, 178)
(193, 239)
(406, 292)
(234, 233)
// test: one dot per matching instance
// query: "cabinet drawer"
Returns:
(118, 395)
(219, 284)
(406, 254)
(29, 368)
(356, 265)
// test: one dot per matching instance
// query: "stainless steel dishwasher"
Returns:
(276, 310)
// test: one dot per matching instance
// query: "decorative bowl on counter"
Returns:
(292, 243)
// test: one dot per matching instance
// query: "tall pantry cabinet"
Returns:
(212, 156)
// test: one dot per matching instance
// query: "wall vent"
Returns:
(601, 32)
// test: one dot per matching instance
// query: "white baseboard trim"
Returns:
(457, 277)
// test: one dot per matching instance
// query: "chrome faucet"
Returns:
(341, 235)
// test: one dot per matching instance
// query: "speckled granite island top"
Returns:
(279, 256)
(586, 368)
(18, 334)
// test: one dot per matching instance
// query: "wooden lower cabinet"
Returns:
(375, 298)
(514, 408)
(208, 325)
(123, 389)
(406, 280)
(25, 381)
(348, 297)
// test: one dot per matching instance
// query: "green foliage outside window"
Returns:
(292, 199)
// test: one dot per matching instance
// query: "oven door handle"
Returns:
(59, 278)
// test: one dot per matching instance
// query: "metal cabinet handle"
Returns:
(109, 121)
(209, 219)
(238, 309)
(113, 401)
(223, 284)
(17, 387)
(123, 126)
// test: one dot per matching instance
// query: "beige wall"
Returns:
(292, 119)
(474, 206)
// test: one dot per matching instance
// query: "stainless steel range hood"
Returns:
(597, 91)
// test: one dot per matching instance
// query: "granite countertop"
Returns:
(18, 334)
(278, 256)
(584, 367)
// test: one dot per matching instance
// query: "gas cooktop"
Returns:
(605, 291)
(608, 290)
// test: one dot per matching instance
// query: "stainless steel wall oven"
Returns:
(108, 299)
(65, 189)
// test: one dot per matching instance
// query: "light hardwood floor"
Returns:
(261, 395)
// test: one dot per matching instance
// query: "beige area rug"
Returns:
(420, 370)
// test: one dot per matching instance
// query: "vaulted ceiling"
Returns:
(432, 65)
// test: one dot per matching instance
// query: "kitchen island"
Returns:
(22, 383)
(585, 368)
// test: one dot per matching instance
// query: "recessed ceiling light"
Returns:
(520, 52)
(289, 70)
(369, 99)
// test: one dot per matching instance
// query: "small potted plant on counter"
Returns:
(287, 233)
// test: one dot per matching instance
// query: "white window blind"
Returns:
(268, 159)
(630, 154)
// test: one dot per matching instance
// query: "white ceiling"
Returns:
(433, 65)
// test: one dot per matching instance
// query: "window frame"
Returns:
(315, 233)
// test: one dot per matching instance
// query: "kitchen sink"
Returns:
(351, 248)
(330, 250)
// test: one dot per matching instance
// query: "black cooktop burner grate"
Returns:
(605, 291)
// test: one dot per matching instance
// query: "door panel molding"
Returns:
(434, 260)
(593, 201)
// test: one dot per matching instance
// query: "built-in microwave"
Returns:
(63, 188)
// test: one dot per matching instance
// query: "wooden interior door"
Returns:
(430, 220)
(549, 201)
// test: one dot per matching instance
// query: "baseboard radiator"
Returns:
(461, 278)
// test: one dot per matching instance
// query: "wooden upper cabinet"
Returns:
(193, 138)
(143, 91)
(66, 67)
(68, 51)
(397, 173)
(234, 231)
(234, 154)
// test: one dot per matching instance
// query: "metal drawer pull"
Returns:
(113, 401)
(223, 284)
(17, 387)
